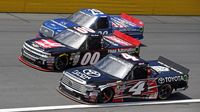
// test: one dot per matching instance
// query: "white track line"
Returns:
(81, 106)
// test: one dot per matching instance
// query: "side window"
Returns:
(102, 23)
(140, 72)
(130, 75)
(84, 46)
(94, 42)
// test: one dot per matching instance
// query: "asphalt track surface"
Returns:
(177, 38)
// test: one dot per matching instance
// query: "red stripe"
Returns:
(127, 38)
(32, 66)
(132, 19)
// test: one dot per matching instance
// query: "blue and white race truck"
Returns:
(96, 20)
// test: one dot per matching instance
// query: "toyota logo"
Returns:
(91, 73)
(161, 80)
(70, 83)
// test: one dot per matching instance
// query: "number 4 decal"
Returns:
(137, 88)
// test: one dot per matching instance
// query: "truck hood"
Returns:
(90, 75)
(59, 24)
(49, 45)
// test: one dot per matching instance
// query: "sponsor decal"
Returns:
(129, 50)
(160, 68)
(118, 40)
(91, 73)
(48, 43)
(172, 79)
(161, 80)
(86, 73)
(84, 30)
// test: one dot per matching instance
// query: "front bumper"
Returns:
(35, 58)
(75, 95)
(30, 64)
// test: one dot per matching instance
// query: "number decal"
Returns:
(84, 30)
(103, 32)
(127, 56)
(86, 58)
(96, 12)
(95, 58)
(137, 88)
(89, 58)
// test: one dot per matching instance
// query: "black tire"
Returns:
(165, 91)
(107, 95)
(61, 63)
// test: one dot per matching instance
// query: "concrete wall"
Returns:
(155, 7)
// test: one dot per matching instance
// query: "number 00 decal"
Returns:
(89, 58)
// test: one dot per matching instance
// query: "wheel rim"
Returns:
(60, 64)
(165, 91)
(107, 96)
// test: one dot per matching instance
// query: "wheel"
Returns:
(61, 63)
(107, 95)
(164, 91)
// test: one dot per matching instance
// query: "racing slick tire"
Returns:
(106, 95)
(165, 91)
(60, 63)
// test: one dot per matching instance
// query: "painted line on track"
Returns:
(82, 106)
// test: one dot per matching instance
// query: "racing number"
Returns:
(127, 56)
(103, 32)
(137, 88)
(89, 58)
(96, 12)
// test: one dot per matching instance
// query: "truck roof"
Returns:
(130, 58)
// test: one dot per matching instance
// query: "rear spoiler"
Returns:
(132, 19)
(127, 38)
(173, 65)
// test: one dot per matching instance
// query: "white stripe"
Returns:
(81, 106)
(36, 49)
(44, 56)
(58, 24)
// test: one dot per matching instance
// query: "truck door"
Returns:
(139, 85)
(92, 51)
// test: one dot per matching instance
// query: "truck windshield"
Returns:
(71, 38)
(114, 66)
(82, 19)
